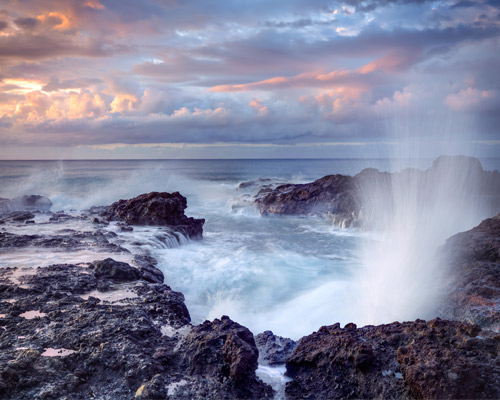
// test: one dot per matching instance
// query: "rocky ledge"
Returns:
(411, 360)
(109, 330)
(475, 265)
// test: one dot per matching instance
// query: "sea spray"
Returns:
(402, 277)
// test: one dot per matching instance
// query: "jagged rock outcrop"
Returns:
(333, 195)
(474, 258)
(368, 198)
(103, 331)
(164, 209)
(273, 349)
(436, 360)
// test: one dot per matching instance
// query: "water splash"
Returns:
(402, 276)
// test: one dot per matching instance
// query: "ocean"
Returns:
(290, 275)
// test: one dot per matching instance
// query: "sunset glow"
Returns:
(93, 73)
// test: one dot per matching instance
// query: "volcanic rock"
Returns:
(332, 195)
(165, 209)
(356, 201)
(68, 333)
(436, 359)
(118, 271)
(475, 267)
(226, 351)
(274, 349)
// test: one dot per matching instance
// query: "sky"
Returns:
(247, 79)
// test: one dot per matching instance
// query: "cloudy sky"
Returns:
(247, 78)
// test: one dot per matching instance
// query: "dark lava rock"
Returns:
(147, 268)
(436, 359)
(77, 346)
(226, 352)
(274, 349)
(118, 271)
(157, 209)
(31, 203)
(70, 241)
(21, 215)
(475, 267)
(333, 195)
(357, 201)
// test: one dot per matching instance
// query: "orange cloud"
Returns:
(124, 103)
(257, 105)
(96, 5)
(390, 63)
(57, 20)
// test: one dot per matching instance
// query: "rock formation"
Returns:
(165, 209)
(434, 360)
(475, 267)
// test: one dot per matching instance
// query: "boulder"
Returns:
(118, 271)
(274, 350)
(163, 209)
(437, 359)
(333, 196)
(225, 352)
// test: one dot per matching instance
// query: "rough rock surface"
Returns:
(331, 195)
(80, 332)
(157, 209)
(274, 350)
(356, 201)
(70, 241)
(475, 266)
(436, 359)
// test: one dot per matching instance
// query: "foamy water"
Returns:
(287, 274)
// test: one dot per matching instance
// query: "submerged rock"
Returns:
(436, 359)
(157, 209)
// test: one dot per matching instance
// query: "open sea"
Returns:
(290, 275)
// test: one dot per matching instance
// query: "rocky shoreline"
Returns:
(110, 328)
(351, 201)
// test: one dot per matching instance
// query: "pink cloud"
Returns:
(473, 99)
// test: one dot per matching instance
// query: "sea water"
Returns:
(287, 274)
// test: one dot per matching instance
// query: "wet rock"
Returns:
(157, 209)
(435, 359)
(31, 203)
(225, 353)
(70, 241)
(355, 201)
(332, 195)
(475, 267)
(273, 349)
(85, 343)
(21, 215)
(115, 270)
(147, 268)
